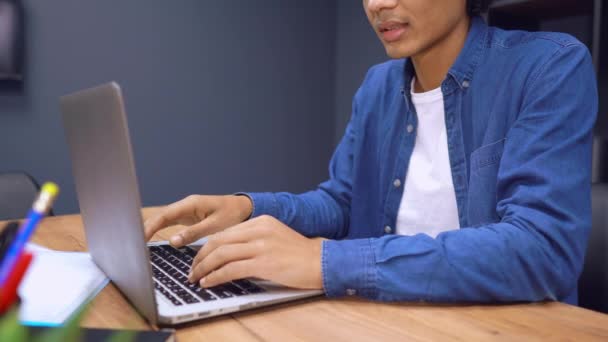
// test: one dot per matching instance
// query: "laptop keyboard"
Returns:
(171, 266)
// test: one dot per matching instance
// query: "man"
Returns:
(463, 175)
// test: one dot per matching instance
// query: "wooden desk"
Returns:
(320, 319)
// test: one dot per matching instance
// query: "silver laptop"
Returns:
(151, 275)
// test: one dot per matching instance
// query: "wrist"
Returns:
(245, 206)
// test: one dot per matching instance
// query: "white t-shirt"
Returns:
(428, 204)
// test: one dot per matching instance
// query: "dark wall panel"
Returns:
(221, 96)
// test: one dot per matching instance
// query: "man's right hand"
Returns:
(204, 215)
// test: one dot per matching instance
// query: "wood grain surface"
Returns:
(321, 319)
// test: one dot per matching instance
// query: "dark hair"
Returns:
(475, 7)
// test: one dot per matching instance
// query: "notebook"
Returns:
(56, 285)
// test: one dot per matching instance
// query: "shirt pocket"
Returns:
(482, 199)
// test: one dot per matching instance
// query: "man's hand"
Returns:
(204, 215)
(262, 248)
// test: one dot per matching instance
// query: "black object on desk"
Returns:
(93, 335)
(7, 236)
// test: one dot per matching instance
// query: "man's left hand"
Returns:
(263, 248)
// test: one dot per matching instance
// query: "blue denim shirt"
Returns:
(519, 111)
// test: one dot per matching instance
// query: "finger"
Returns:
(195, 232)
(170, 215)
(220, 256)
(235, 270)
(241, 233)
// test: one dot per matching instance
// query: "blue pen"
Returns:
(41, 207)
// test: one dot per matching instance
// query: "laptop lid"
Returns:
(106, 185)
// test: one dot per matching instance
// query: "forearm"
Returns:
(496, 263)
(313, 214)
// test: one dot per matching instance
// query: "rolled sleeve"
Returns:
(263, 203)
(348, 268)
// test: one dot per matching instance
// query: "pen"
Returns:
(41, 206)
(8, 293)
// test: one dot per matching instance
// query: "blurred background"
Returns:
(221, 96)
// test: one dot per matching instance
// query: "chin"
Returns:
(397, 52)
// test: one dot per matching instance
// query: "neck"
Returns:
(432, 65)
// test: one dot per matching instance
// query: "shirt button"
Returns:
(388, 229)
(397, 183)
(466, 84)
(410, 128)
(351, 292)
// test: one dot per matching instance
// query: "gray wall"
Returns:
(221, 96)
(357, 49)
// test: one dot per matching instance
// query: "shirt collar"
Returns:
(464, 68)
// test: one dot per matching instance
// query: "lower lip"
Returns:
(393, 35)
